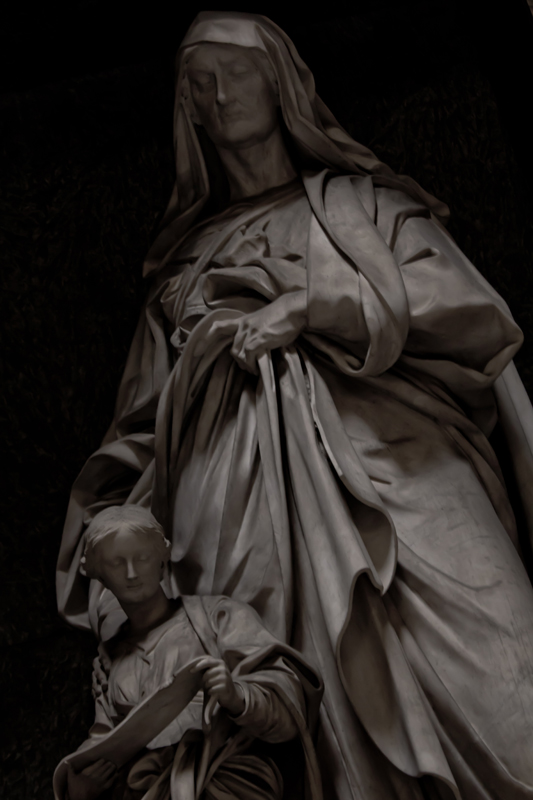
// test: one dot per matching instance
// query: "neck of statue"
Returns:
(148, 614)
(255, 169)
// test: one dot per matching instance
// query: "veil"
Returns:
(315, 133)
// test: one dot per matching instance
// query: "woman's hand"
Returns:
(219, 684)
(276, 325)
(92, 781)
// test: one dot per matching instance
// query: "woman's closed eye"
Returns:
(240, 72)
(203, 84)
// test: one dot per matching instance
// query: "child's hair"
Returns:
(114, 519)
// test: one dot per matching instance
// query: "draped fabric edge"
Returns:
(135, 450)
(515, 414)
(198, 609)
(312, 126)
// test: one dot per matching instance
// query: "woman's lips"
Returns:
(231, 116)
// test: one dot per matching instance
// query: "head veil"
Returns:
(315, 133)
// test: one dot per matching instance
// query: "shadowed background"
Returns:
(437, 88)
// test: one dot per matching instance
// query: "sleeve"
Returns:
(265, 716)
(280, 689)
(460, 329)
(388, 283)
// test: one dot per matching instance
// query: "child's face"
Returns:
(129, 566)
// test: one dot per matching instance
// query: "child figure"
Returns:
(257, 691)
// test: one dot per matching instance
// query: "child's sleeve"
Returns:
(265, 715)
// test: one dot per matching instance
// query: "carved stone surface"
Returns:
(305, 410)
(189, 690)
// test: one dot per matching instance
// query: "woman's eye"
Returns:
(239, 72)
(203, 85)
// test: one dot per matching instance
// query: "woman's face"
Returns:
(129, 565)
(232, 98)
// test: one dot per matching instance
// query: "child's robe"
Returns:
(193, 755)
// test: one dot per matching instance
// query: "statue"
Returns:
(255, 689)
(306, 410)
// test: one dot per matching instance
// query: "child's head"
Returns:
(126, 549)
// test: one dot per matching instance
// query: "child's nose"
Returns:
(131, 571)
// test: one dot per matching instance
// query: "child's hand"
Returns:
(219, 684)
(92, 781)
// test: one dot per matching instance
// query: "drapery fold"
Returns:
(275, 488)
(200, 751)
(348, 492)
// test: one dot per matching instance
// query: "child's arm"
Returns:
(219, 684)
(252, 706)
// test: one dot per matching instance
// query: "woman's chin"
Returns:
(240, 135)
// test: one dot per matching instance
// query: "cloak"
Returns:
(349, 493)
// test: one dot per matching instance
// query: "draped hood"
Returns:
(318, 138)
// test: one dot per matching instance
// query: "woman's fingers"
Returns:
(237, 348)
(93, 768)
(248, 346)
(225, 327)
(108, 782)
(100, 769)
(246, 362)
(275, 325)
(246, 356)
(103, 762)
(107, 769)
(240, 336)
(252, 358)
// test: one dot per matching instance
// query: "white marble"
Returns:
(305, 410)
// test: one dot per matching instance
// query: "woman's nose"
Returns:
(224, 93)
(221, 93)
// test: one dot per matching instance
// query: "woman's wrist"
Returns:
(297, 308)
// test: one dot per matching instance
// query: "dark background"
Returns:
(438, 89)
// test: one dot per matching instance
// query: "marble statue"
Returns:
(306, 409)
(233, 685)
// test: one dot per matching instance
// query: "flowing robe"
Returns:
(190, 758)
(348, 493)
